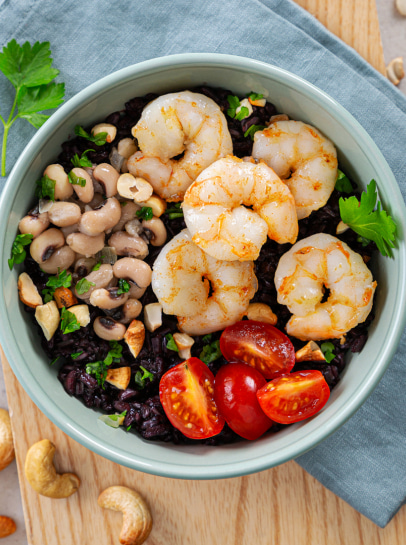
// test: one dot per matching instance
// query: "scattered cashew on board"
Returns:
(7, 525)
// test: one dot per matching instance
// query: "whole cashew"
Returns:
(137, 520)
(41, 473)
(7, 526)
(6, 440)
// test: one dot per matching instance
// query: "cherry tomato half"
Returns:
(235, 389)
(294, 397)
(260, 345)
(186, 393)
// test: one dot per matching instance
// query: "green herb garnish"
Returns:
(253, 129)
(123, 286)
(28, 68)
(145, 213)
(327, 349)
(255, 96)
(210, 352)
(371, 224)
(170, 343)
(207, 338)
(82, 161)
(141, 378)
(62, 280)
(113, 420)
(97, 266)
(54, 360)
(17, 249)
(175, 211)
(99, 368)
(45, 188)
(242, 114)
(98, 139)
(114, 354)
(234, 104)
(75, 355)
(343, 183)
(76, 180)
(83, 286)
(69, 322)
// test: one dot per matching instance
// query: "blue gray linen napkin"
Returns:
(364, 462)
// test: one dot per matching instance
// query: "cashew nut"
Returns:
(6, 440)
(135, 337)
(126, 147)
(262, 313)
(394, 70)
(102, 219)
(137, 520)
(310, 352)
(41, 473)
(157, 204)
(107, 176)
(7, 526)
(28, 291)
(136, 188)
(401, 5)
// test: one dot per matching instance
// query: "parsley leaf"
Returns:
(17, 249)
(76, 180)
(234, 103)
(343, 184)
(69, 322)
(45, 188)
(113, 420)
(75, 355)
(145, 213)
(123, 286)
(243, 113)
(99, 368)
(255, 96)
(327, 349)
(207, 338)
(371, 224)
(175, 212)
(83, 286)
(170, 343)
(253, 129)
(83, 160)
(210, 352)
(98, 139)
(28, 68)
(141, 378)
(97, 266)
(62, 280)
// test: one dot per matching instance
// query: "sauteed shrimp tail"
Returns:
(178, 123)
(216, 213)
(311, 266)
(303, 158)
(182, 278)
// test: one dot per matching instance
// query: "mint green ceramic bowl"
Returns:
(359, 157)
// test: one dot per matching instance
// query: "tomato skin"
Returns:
(308, 390)
(186, 393)
(235, 388)
(260, 345)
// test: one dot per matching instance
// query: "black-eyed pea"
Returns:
(128, 213)
(133, 269)
(108, 299)
(85, 193)
(155, 231)
(108, 329)
(63, 189)
(34, 224)
(84, 244)
(131, 309)
(64, 214)
(104, 218)
(45, 244)
(107, 176)
(96, 280)
(62, 259)
(127, 245)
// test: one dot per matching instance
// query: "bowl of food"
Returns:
(192, 230)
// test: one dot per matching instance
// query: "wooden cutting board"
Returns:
(281, 506)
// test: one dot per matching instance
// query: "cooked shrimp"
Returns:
(304, 159)
(173, 124)
(182, 278)
(225, 229)
(312, 264)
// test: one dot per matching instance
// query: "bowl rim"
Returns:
(75, 430)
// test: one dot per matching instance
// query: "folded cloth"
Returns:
(364, 462)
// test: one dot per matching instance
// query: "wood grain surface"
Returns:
(281, 506)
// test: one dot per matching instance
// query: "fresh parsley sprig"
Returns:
(83, 286)
(82, 161)
(69, 322)
(145, 213)
(170, 343)
(45, 188)
(234, 103)
(210, 352)
(62, 280)
(28, 68)
(99, 368)
(17, 249)
(98, 139)
(343, 183)
(369, 223)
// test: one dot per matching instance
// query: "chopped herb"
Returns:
(99, 368)
(69, 322)
(243, 113)
(97, 266)
(83, 160)
(76, 180)
(75, 355)
(343, 183)
(327, 349)
(115, 353)
(175, 211)
(83, 286)
(371, 224)
(17, 249)
(253, 129)
(28, 68)
(54, 360)
(207, 338)
(113, 420)
(98, 139)
(141, 378)
(123, 203)
(234, 104)
(210, 352)
(145, 213)
(170, 343)
(45, 188)
(123, 286)
(363, 241)
(129, 427)
(62, 280)
(255, 96)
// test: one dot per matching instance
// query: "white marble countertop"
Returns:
(393, 29)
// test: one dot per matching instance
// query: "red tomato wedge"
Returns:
(260, 345)
(294, 397)
(186, 393)
(235, 389)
